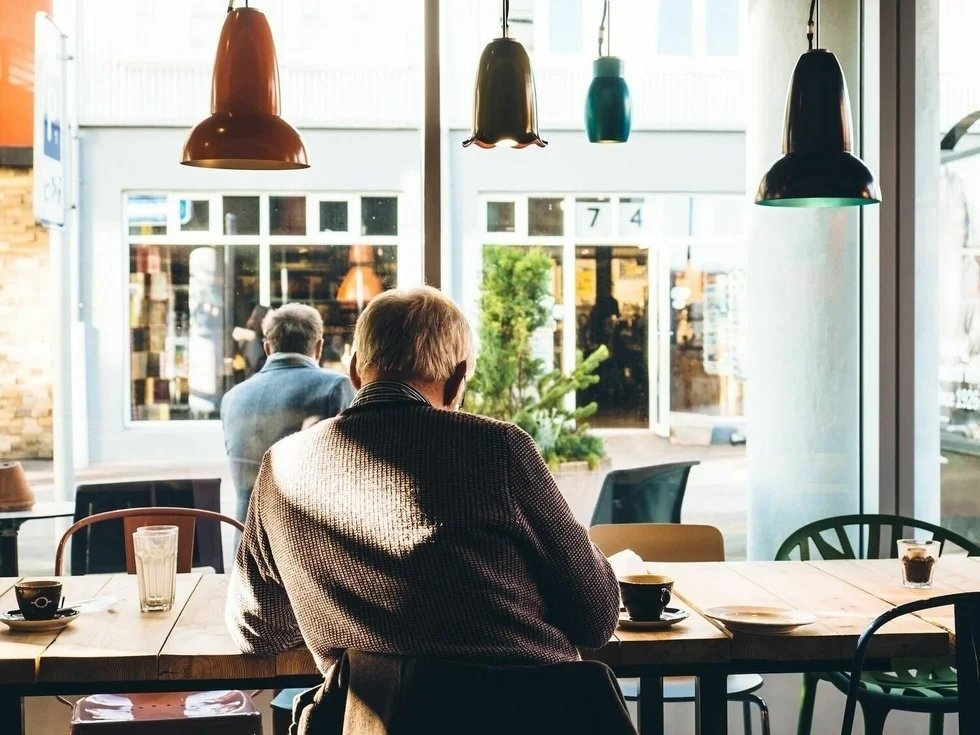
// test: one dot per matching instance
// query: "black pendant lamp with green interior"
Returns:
(505, 111)
(608, 110)
(818, 168)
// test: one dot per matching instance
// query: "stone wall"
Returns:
(25, 324)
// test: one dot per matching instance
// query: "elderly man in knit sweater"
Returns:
(404, 526)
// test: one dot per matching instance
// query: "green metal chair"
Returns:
(916, 686)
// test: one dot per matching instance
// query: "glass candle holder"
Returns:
(918, 559)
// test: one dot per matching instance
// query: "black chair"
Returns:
(930, 689)
(643, 494)
(376, 693)
(966, 606)
(99, 549)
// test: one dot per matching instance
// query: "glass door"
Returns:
(612, 309)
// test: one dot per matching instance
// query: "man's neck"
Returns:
(433, 393)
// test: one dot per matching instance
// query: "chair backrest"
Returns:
(643, 494)
(661, 541)
(132, 518)
(100, 549)
(966, 607)
(875, 535)
(415, 695)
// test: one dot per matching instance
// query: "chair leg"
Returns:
(808, 696)
(936, 723)
(748, 699)
(874, 719)
(747, 717)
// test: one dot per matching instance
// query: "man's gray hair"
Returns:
(293, 328)
(413, 333)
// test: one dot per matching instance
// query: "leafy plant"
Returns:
(512, 384)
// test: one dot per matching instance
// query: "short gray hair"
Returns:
(293, 328)
(416, 333)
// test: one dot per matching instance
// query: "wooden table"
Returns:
(188, 647)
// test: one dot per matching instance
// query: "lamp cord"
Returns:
(505, 17)
(603, 36)
(811, 26)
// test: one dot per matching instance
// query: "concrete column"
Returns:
(803, 277)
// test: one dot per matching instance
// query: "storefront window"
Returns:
(197, 293)
(337, 280)
(184, 301)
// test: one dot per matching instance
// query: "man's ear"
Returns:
(355, 377)
(267, 348)
(318, 349)
(451, 393)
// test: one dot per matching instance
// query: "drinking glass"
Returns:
(918, 559)
(155, 548)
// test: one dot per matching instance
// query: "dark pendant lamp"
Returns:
(817, 168)
(505, 112)
(608, 111)
(245, 130)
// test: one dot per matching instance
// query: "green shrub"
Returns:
(510, 383)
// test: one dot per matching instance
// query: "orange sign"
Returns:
(17, 71)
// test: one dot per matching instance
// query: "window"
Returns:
(195, 284)
(674, 30)
(565, 26)
(721, 26)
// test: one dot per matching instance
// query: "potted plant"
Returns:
(511, 383)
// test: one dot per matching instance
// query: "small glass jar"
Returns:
(918, 558)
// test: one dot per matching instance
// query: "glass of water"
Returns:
(155, 548)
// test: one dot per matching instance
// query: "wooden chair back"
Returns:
(133, 518)
(661, 541)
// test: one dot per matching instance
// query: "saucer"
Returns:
(15, 621)
(671, 616)
(760, 618)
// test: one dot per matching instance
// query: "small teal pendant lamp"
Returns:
(608, 110)
(817, 168)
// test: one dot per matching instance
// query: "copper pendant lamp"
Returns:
(244, 130)
(817, 168)
(505, 110)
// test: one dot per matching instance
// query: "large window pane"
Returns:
(958, 285)
(337, 280)
(184, 303)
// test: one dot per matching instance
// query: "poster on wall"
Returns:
(50, 124)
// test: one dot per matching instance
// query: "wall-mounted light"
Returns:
(245, 130)
(817, 168)
(608, 110)
(505, 110)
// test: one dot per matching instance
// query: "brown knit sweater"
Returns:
(400, 528)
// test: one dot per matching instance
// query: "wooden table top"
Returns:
(189, 643)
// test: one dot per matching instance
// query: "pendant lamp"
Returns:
(818, 168)
(505, 111)
(608, 111)
(244, 130)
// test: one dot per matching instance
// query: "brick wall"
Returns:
(25, 324)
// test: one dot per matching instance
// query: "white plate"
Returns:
(671, 616)
(15, 621)
(760, 618)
